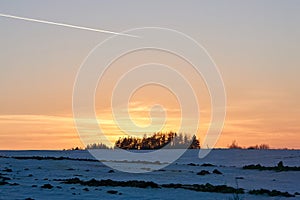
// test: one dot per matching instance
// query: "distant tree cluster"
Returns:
(157, 141)
(234, 145)
(97, 146)
(74, 149)
(261, 146)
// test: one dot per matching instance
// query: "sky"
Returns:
(255, 45)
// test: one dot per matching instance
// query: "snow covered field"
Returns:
(25, 177)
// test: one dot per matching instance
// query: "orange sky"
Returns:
(253, 117)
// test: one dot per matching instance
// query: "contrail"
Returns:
(64, 25)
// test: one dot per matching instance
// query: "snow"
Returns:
(229, 162)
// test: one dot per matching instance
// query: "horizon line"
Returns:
(84, 149)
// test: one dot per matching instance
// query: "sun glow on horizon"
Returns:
(56, 132)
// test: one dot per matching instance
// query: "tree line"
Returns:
(234, 145)
(158, 141)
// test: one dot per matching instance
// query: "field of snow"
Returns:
(25, 177)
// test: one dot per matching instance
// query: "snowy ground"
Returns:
(31, 174)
